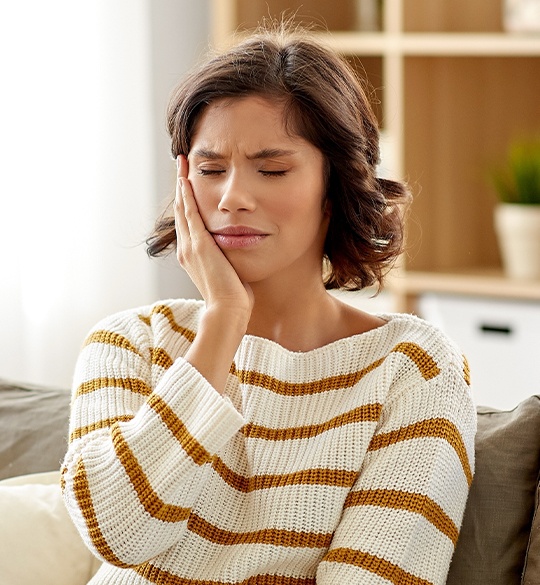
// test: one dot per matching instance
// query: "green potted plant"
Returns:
(517, 216)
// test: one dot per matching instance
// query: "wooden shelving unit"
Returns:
(454, 89)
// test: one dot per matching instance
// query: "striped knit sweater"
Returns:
(347, 464)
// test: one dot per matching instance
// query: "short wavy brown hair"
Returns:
(324, 103)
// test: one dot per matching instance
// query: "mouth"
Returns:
(236, 237)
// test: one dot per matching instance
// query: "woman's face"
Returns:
(260, 191)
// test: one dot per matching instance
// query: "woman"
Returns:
(271, 434)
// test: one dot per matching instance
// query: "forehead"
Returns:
(246, 116)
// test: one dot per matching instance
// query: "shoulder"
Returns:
(419, 362)
(408, 331)
(428, 369)
(430, 378)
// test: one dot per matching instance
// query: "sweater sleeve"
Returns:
(138, 449)
(401, 519)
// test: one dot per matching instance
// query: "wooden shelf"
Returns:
(493, 284)
(451, 90)
(438, 44)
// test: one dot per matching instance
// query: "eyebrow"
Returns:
(261, 154)
(271, 153)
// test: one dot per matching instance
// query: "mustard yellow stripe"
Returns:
(466, 371)
(160, 357)
(151, 502)
(440, 428)
(321, 476)
(401, 500)
(84, 499)
(156, 575)
(189, 443)
(132, 384)
(304, 388)
(100, 424)
(377, 565)
(110, 338)
(275, 536)
(168, 314)
(146, 320)
(424, 362)
(364, 413)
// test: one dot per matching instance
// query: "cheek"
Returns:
(304, 217)
(307, 202)
(203, 196)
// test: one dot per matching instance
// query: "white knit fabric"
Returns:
(346, 464)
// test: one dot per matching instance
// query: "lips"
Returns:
(236, 237)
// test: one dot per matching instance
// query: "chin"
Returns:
(252, 276)
(248, 269)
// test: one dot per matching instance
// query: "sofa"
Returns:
(499, 542)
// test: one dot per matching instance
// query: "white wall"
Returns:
(180, 32)
(85, 166)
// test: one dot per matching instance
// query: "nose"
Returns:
(236, 195)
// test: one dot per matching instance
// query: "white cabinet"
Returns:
(501, 340)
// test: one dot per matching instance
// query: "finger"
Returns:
(192, 216)
(182, 166)
(182, 230)
(181, 172)
(190, 228)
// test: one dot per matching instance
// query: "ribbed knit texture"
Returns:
(348, 464)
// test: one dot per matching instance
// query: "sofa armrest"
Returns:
(33, 428)
(494, 539)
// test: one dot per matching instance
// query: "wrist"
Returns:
(218, 337)
(232, 319)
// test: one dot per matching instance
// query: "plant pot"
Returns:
(518, 231)
(521, 15)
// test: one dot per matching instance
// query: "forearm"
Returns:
(229, 301)
(152, 467)
(213, 350)
(138, 444)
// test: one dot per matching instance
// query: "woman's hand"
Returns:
(229, 302)
(201, 257)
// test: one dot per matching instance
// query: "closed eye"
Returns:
(273, 173)
(206, 172)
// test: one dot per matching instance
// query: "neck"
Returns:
(296, 311)
(292, 314)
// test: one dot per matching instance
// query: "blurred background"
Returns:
(86, 165)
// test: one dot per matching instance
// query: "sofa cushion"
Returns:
(38, 540)
(497, 521)
(531, 573)
(33, 428)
